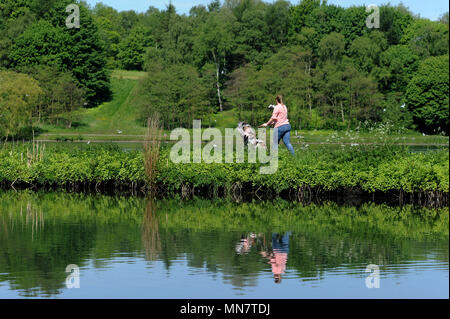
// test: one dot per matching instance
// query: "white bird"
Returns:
(89, 142)
(119, 132)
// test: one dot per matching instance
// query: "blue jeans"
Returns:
(280, 242)
(284, 132)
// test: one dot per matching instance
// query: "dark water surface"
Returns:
(135, 248)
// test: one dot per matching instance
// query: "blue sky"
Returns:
(431, 9)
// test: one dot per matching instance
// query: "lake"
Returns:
(129, 247)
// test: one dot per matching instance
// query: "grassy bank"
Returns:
(361, 169)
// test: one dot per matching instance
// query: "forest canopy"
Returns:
(334, 71)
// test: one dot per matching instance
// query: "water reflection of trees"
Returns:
(31, 252)
(41, 234)
(35, 217)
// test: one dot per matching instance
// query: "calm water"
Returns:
(134, 248)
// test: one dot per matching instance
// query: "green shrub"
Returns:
(370, 169)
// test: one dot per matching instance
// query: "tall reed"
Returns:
(152, 145)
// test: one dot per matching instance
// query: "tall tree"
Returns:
(396, 67)
(427, 38)
(394, 21)
(299, 14)
(69, 96)
(427, 95)
(79, 51)
(332, 47)
(175, 92)
(19, 94)
(366, 50)
(213, 44)
(132, 49)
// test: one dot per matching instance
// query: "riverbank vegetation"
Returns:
(358, 169)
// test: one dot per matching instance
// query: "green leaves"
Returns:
(132, 49)
(332, 47)
(427, 38)
(41, 43)
(79, 51)
(176, 92)
(371, 169)
(427, 95)
(19, 95)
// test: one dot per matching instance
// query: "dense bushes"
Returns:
(368, 169)
(64, 166)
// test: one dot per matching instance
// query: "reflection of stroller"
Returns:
(246, 243)
(249, 135)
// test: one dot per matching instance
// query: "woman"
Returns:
(282, 125)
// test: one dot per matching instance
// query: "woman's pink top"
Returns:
(278, 262)
(280, 115)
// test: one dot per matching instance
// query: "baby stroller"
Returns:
(249, 135)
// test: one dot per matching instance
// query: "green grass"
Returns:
(108, 118)
(225, 119)
(128, 75)
(377, 137)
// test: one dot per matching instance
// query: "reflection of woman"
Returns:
(282, 125)
(279, 256)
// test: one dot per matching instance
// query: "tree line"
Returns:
(46, 69)
(334, 71)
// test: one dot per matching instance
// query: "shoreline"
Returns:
(345, 175)
(303, 195)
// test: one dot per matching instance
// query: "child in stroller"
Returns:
(249, 135)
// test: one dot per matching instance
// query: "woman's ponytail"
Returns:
(279, 99)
